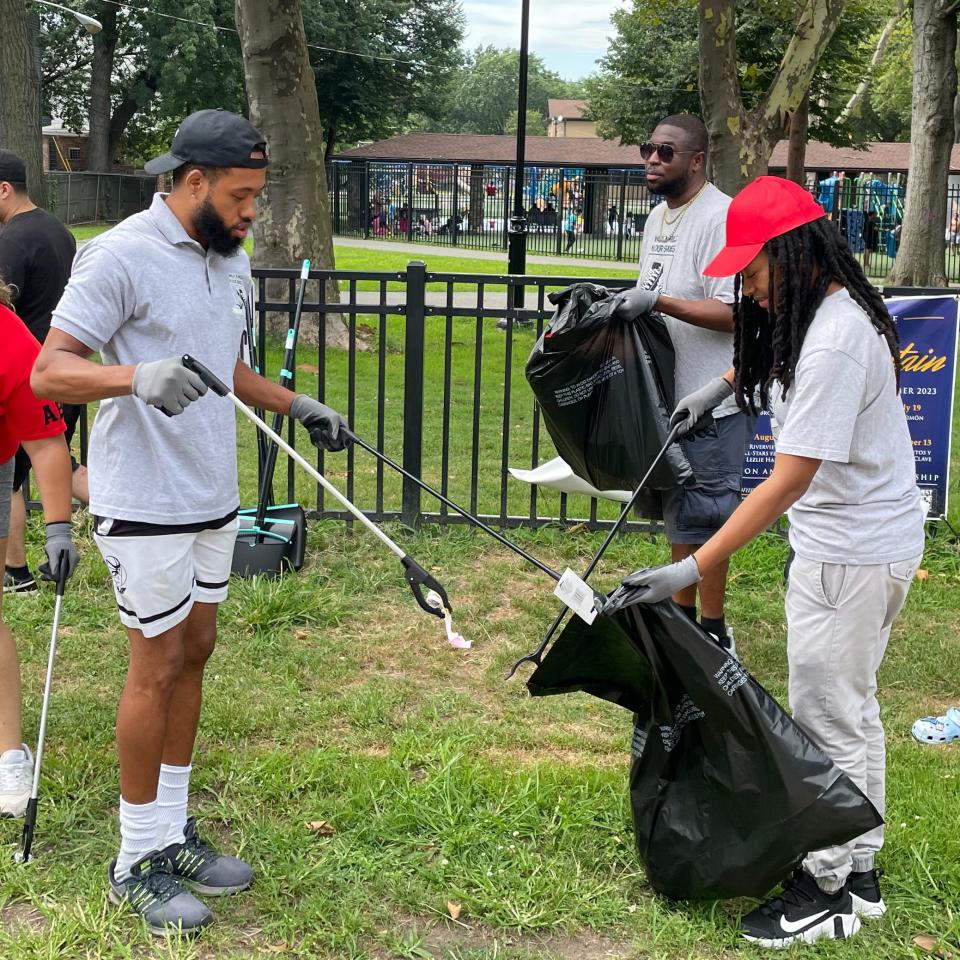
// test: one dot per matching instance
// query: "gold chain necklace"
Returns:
(675, 222)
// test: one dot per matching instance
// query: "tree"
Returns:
(135, 80)
(402, 54)
(742, 139)
(920, 260)
(652, 68)
(536, 125)
(294, 219)
(19, 95)
(482, 93)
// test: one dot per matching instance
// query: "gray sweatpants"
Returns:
(838, 624)
(6, 485)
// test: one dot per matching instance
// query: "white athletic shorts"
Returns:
(159, 572)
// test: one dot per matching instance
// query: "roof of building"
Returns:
(595, 152)
(499, 149)
(568, 109)
(881, 157)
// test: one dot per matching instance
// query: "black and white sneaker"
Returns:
(18, 583)
(154, 893)
(204, 869)
(864, 890)
(802, 913)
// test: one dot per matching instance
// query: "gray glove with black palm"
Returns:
(167, 384)
(697, 405)
(326, 427)
(635, 302)
(653, 584)
(59, 548)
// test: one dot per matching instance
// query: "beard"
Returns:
(675, 186)
(214, 232)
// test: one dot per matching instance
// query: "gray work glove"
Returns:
(653, 584)
(693, 407)
(634, 302)
(167, 384)
(59, 543)
(326, 427)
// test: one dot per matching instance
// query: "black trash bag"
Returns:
(728, 792)
(605, 387)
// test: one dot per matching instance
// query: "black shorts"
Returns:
(71, 417)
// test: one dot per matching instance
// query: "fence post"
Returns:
(366, 199)
(409, 201)
(455, 213)
(413, 389)
(622, 224)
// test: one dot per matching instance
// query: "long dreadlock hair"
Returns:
(803, 263)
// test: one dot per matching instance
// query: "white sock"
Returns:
(172, 793)
(138, 835)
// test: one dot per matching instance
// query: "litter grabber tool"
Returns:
(274, 537)
(434, 601)
(537, 655)
(576, 594)
(476, 521)
(249, 343)
(30, 817)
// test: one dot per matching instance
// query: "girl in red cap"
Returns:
(814, 342)
(39, 427)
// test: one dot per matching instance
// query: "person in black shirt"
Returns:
(36, 253)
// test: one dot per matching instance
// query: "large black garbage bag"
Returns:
(605, 387)
(728, 793)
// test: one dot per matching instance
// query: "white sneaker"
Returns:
(16, 781)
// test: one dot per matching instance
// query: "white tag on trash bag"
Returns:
(577, 595)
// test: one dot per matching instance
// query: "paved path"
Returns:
(426, 250)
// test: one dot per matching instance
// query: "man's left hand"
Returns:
(653, 584)
(326, 427)
(635, 302)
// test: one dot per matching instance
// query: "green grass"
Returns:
(332, 697)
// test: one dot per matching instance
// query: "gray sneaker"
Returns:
(204, 869)
(154, 893)
(13, 584)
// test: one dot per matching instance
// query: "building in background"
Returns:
(566, 119)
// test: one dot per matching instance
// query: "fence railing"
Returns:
(98, 197)
(590, 213)
(431, 379)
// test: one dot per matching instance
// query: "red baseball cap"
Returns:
(762, 210)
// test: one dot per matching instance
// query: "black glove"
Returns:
(326, 427)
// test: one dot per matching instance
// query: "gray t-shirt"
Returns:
(672, 260)
(863, 505)
(145, 291)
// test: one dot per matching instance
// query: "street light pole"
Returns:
(88, 23)
(517, 236)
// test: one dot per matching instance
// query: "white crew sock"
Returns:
(172, 793)
(138, 835)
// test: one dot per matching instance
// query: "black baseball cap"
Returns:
(12, 168)
(212, 138)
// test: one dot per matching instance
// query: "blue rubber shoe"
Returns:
(938, 730)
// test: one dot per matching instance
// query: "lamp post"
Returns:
(517, 235)
(89, 24)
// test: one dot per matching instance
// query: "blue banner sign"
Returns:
(928, 350)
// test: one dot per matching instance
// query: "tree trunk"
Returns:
(920, 260)
(126, 110)
(853, 103)
(741, 142)
(20, 95)
(294, 219)
(101, 73)
(797, 147)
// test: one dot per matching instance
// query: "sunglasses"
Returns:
(665, 151)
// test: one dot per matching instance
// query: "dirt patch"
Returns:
(20, 917)
(445, 939)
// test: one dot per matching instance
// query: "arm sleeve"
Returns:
(33, 419)
(12, 266)
(98, 299)
(713, 241)
(828, 395)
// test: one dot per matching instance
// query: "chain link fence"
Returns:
(98, 197)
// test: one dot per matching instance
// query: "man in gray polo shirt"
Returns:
(163, 478)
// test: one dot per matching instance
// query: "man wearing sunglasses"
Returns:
(680, 237)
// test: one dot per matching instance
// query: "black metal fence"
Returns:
(430, 378)
(590, 213)
(98, 197)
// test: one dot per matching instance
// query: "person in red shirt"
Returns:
(38, 425)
